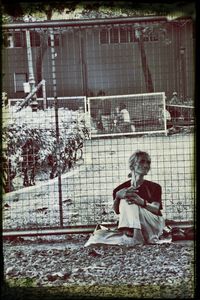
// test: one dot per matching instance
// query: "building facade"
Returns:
(102, 57)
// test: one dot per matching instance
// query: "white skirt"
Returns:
(148, 227)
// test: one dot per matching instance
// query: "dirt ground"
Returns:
(63, 268)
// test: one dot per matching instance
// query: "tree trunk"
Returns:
(43, 48)
(39, 60)
(145, 68)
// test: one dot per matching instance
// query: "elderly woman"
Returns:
(138, 203)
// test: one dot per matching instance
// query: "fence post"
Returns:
(44, 93)
(53, 56)
(31, 78)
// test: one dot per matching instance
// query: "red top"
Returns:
(148, 190)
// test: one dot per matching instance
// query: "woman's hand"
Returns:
(129, 194)
(133, 198)
(121, 194)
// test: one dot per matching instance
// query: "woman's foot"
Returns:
(127, 231)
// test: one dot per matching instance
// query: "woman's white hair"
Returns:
(135, 156)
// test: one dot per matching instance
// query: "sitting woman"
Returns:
(138, 203)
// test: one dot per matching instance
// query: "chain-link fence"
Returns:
(65, 146)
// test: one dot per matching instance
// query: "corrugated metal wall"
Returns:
(86, 65)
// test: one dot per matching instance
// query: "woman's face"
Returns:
(142, 166)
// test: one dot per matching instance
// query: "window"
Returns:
(35, 39)
(124, 35)
(56, 40)
(104, 36)
(14, 39)
(152, 37)
(8, 41)
(114, 35)
(19, 39)
(19, 79)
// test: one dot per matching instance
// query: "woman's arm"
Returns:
(121, 194)
(153, 207)
(131, 197)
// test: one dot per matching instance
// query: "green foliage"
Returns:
(21, 282)
(17, 134)
(17, 10)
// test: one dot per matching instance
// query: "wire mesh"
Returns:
(59, 164)
(127, 114)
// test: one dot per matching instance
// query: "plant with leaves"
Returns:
(16, 11)
(31, 147)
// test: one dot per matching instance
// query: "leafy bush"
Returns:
(31, 141)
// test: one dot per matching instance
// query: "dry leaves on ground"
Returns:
(165, 268)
